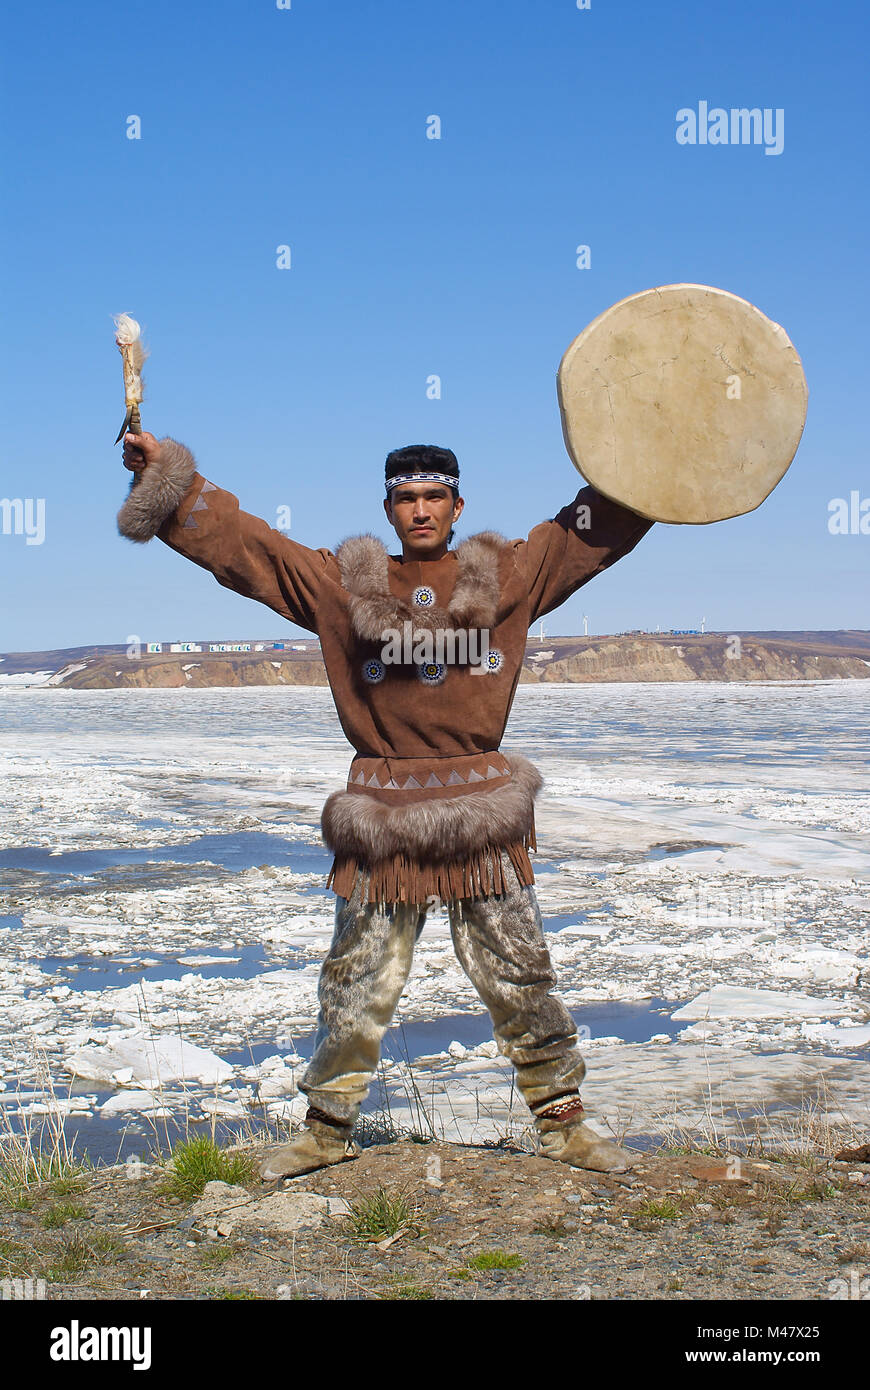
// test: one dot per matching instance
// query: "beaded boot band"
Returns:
(566, 1108)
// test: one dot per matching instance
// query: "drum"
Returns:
(684, 403)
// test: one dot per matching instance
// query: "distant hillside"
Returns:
(712, 656)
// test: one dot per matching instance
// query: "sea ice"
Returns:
(712, 840)
(728, 1001)
(125, 1101)
(843, 1037)
(149, 1060)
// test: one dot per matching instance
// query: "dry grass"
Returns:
(803, 1135)
(39, 1151)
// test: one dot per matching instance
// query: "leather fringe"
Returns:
(403, 879)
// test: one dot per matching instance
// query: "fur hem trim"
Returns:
(364, 564)
(432, 829)
(156, 492)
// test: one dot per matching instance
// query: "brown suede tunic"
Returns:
(426, 723)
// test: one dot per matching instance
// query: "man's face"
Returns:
(421, 515)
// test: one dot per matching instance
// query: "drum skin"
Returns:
(684, 403)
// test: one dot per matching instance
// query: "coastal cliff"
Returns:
(644, 657)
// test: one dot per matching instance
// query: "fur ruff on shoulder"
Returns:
(433, 829)
(364, 564)
(156, 491)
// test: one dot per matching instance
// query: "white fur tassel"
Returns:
(128, 336)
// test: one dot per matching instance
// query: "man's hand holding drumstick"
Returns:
(140, 450)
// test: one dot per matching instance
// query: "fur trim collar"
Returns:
(364, 564)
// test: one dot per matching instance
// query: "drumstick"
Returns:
(128, 336)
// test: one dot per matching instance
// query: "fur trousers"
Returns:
(500, 943)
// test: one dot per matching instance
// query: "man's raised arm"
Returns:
(586, 537)
(168, 498)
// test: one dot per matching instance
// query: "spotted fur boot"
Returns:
(578, 1145)
(318, 1146)
(565, 1137)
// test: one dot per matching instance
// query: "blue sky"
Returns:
(307, 126)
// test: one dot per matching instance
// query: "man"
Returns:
(423, 652)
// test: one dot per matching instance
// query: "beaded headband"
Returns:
(422, 478)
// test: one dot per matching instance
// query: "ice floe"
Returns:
(726, 1001)
(705, 846)
(147, 1060)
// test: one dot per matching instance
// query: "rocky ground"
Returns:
(439, 1221)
